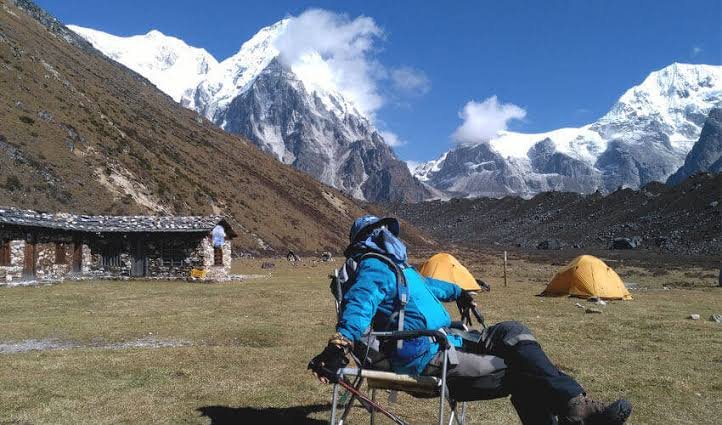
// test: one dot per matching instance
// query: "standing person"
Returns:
(218, 235)
(539, 391)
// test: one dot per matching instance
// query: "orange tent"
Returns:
(588, 276)
(445, 267)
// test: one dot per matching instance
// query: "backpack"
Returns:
(343, 279)
(345, 276)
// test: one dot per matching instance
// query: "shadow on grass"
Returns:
(224, 415)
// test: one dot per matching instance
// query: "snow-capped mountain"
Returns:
(644, 137)
(169, 63)
(706, 154)
(289, 111)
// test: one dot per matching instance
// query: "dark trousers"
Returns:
(538, 389)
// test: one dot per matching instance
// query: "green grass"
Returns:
(251, 342)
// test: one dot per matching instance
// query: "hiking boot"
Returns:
(582, 410)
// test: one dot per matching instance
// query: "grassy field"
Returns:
(237, 352)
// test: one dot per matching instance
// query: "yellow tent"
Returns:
(588, 276)
(445, 267)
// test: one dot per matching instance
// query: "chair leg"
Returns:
(373, 411)
(442, 400)
(351, 400)
(334, 401)
(463, 413)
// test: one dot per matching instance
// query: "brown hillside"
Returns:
(81, 133)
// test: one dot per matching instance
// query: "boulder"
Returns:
(627, 243)
(549, 244)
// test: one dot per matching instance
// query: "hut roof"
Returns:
(113, 223)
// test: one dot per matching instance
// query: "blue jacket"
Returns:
(372, 300)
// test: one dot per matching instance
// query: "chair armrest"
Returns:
(438, 336)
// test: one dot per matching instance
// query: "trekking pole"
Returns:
(370, 402)
(479, 316)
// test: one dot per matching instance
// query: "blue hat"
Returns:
(364, 224)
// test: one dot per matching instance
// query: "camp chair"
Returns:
(374, 369)
(417, 386)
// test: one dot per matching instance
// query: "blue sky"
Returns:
(563, 62)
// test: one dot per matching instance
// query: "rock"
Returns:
(292, 257)
(326, 256)
(45, 116)
(626, 243)
(593, 310)
(549, 244)
(577, 305)
(268, 265)
(716, 318)
(693, 317)
(712, 205)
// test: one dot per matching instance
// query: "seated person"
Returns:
(540, 392)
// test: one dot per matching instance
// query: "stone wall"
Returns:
(17, 256)
(45, 247)
(188, 255)
(215, 272)
(167, 255)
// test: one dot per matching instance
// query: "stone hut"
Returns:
(43, 246)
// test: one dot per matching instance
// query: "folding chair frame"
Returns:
(370, 402)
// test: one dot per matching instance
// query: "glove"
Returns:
(465, 300)
(326, 365)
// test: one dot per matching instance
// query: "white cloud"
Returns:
(483, 120)
(333, 52)
(411, 81)
(392, 139)
(336, 52)
(696, 50)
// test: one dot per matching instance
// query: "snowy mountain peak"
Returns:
(644, 137)
(677, 98)
(168, 62)
(234, 75)
(283, 100)
(237, 73)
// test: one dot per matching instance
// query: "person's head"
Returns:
(363, 226)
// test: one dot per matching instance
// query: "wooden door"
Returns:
(77, 256)
(30, 259)
(138, 265)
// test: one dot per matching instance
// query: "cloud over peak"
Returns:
(482, 121)
(338, 53)
(334, 51)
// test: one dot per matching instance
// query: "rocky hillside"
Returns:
(645, 137)
(283, 110)
(706, 154)
(683, 219)
(82, 133)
